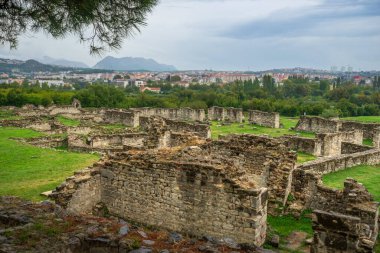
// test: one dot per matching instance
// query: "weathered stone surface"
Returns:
(268, 119)
(226, 114)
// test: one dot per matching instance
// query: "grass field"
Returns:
(68, 122)
(369, 176)
(26, 171)
(304, 157)
(236, 128)
(375, 119)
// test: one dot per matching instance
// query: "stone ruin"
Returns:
(267, 119)
(225, 188)
(345, 220)
(182, 114)
(322, 125)
(228, 114)
(219, 188)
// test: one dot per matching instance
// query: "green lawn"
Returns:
(68, 122)
(26, 171)
(285, 225)
(369, 176)
(375, 119)
(304, 157)
(236, 128)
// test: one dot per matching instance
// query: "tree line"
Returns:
(297, 96)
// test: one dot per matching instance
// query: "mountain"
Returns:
(9, 65)
(132, 64)
(62, 62)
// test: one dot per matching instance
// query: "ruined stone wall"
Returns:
(173, 113)
(268, 119)
(46, 141)
(189, 197)
(318, 125)
(308, 175)
(344, 220)
(226, 114)
(330, 144)
(350, 148)
(128, 118)
(367, 128)
(302, 144)
(55, 110)
(376, 137)
(266, 160)
(201, 130)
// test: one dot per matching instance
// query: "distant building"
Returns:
(152, 89)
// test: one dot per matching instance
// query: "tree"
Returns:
(101, 23)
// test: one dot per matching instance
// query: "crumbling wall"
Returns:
(308, 175)
(46, 141)
(268, 119)
(318, 125)
(302, 144)
(376, 137)
(344, 220)
(182, 195)
(350, 148)
(187, 114)
(330, 144)
(226, 114)
(201, 130)
(367, 128)
(55, 110)
(128, 118)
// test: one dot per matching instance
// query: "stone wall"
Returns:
(127, 118)
(226, 114)
(55, 110)
(302, 144)
(308, 175)
(318, 125)
(367, 128)
(46, 141)
(177, 194)
(268, 119)
(344, 220)
(187, 114)
(330, 144)
(376, 137)
(350, 148)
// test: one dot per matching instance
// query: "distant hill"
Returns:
(132, 64)
(10, 65)
(62, 62)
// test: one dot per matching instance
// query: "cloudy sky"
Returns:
(240, 35)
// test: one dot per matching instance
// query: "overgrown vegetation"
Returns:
(27, 171)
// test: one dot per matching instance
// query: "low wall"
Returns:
(367, 128)
(226, 114)
(318, 125)
(201, 130)
(350, 148)
(330, 144)
(344, 220)
(54, 110)
(268, 119)
(308, 175)
(302, 144)
(127, 118)
(187, 114)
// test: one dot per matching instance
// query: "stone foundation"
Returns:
(186, 114)
(318, 125)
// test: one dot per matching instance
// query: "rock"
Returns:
(46, 194)
(164, 251)
(208, 248)
(175, 237)
(92, 229)
(274, 241)
(141, 250)
(142, 234)
(74, 242)
(3, 239)
(124, 230)
(210, 239)
(231, 243)
(148, 242)
(309, 241)
(295, 240)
